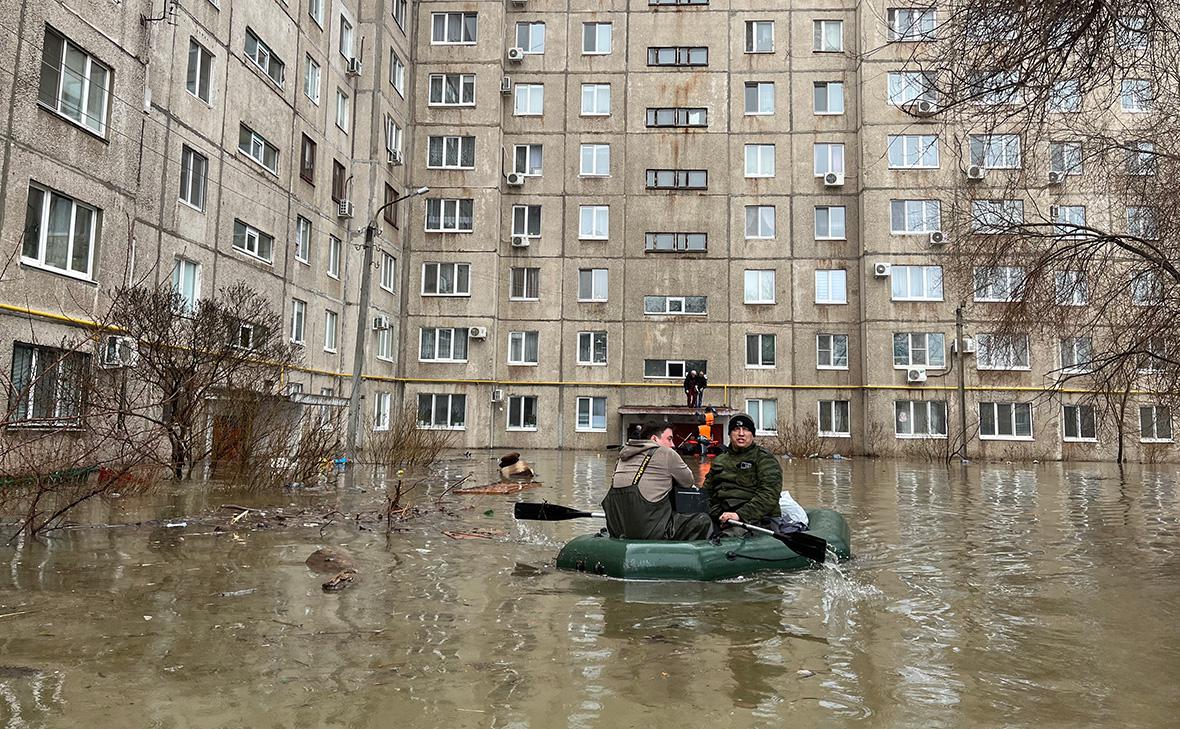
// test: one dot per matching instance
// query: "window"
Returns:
(311, 80)
(916, 283)
(1076, 354)
(829, 222)
(48, 385)
(339, 182)
(399, 13)
(74, 83)
(385, 345)
(764, 413)
(595, 160)
(913, 151)
(596, 38)
(760, 351)
(60, 233)
(828, 36)
(592, 348)
(911, 24)
(397, 73)
(995, 151)
(677, 179)
(254, 145)
(454, 153)
(759, 36)
(908, 87)
(1001, 352)
(830, 286)
(381, 407)
(451, 89)
(298, 320)
(331, 323)
(334, 249)
(595, 99)
(345, 45)
(759, 160)
(831, 351)
(442, 344)
(593, 284)
(677, 117)
(991, 217)
(522, 412)
(194, 171)
(527, 159)
(828, 97)
(522, 348)
(1069, 221)
(919, 349)
(526, 221)
(759, 98)
(254, 242)
(759, 286)
(908, 217)
(1065, 157)
(199, 78)
(1146, 289)
(1079, 422)
(393, 137)
(1066, 96)
(302, 239)
(452, 28)
(675, 305)
(342, 110)
(994, 88)
(1141, 223)
(829, 158)
(1005, 420)
(307, 159)
(672, 369)
(1135, 95)
(593, 222)
(919, 419)
(248, 335)
(315, 8)
(1141, 158)
(1155, 424)
(591, 416)
(760, 222)
(1071, 288)
(388, 272)
(186, 281)
(530, 37)
(449, 216)
(676, 242)
(1153, 356)
(1132, 32)
(834, 419)
(261, 55)
(530, 100)
(389, 214)
(442, 411)
(999, 283)
(524, 284)
(446, 279)
(678, 56)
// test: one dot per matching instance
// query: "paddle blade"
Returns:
(546, 512)
(805, 545)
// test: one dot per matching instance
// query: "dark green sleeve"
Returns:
(768, 488)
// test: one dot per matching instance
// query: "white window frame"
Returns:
(345, 38)
(1012, 420)
(526, 221)
(342, 110)
(764, 413)
(315, 9)
(759, 160)
(298, 321)
(437, 336)
(534, 158)
(460, 274)
(397, 73)
(1077, 354)
(763, 102)
(995, 217)
(675, 305)
(598, 156)
(302, 240)
(388, 272)
(381, 410)
(311, 79)
(593, 222)
(385, 345)
(1155, 412)
(821, 32)
(40, 259)
(518, 348)
(998, 283)
(518, 404)
(915, 283)
(757, 282)
(450, 215)
(828, 214)
(524, 283)
(834, 414)
(756, 214)
(907, 408)
(55, 70)
(331, 330)
(199, 77)
(463, 25)
(1002, 352)
(434, 408)
(264, 58)
(759, 360)
(194, 176)
(829, 157)
(186, 281)
(1066, 157)
(252, 240)
(594, 93)
(597, 38)
(908, 87)
(832, 95)
(528, 100)
(56, 375)
(256, 148)
(1069, 221)
(335, 248)
(599, 280)
(586, 415)
(919, 342)
(830, 345)
(913, 152)
(588, 341)
(1075, 414)
(759, 42)
(534, 31)
(825, 280)
(465, 89)
(1071, 288)
(910, 25)
(1065, 97)
(995, 151)
(1135, 95)
(451, 147)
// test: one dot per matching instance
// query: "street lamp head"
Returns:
(422, 191)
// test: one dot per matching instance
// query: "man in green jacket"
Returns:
(744, 483)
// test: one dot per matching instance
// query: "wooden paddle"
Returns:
(801, 543)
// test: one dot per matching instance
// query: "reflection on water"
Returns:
(980, 596)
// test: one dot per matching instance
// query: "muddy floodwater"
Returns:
(979, 596)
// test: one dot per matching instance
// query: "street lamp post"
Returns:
(362, 317)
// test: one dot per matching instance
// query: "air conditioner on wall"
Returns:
(968, 345)
(380, 322)
(353, 67)
(920, 108)
(516, 55)
(1056, 178)
(497, 395)
(506, 85)
(477, 332)
(915, 374)
(975, 172)
(395, 157)
(344, 210)
(514, 179)
(880, 270)
(116, 351)
(834, 179)
(937, 238)
(519, 241)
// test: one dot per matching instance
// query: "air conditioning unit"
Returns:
(380, 323)
(1056, 178)
(834, 179)
(344, 210)
(514, 179)
(937, 238)
(395, 157)
(353, 68)
(497, 395)
(520, 3)
(477, 332)
(506, 85)
(516, 55)
(117, 351)
(975, 172)
(519, 241)
(1054, 211)
(920, 107)
(880, 270)
(968, 345)
(915, 374)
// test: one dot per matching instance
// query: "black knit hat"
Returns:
(743, 420)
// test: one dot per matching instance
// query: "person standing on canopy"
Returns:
(702, 383)
(746, 482)
(690, 388)
(638, 504)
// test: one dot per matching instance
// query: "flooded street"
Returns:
(979, 596)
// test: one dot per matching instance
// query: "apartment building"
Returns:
(619, 191)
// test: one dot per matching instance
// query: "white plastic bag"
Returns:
(791, 509)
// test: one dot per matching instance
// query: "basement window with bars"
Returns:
(48, 385)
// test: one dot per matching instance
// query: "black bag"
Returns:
(689, 500)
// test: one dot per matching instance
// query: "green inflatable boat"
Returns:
(702, 560)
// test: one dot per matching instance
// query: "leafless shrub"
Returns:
(799, 440)
(405, 445)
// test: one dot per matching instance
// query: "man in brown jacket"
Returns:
(638, 504)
